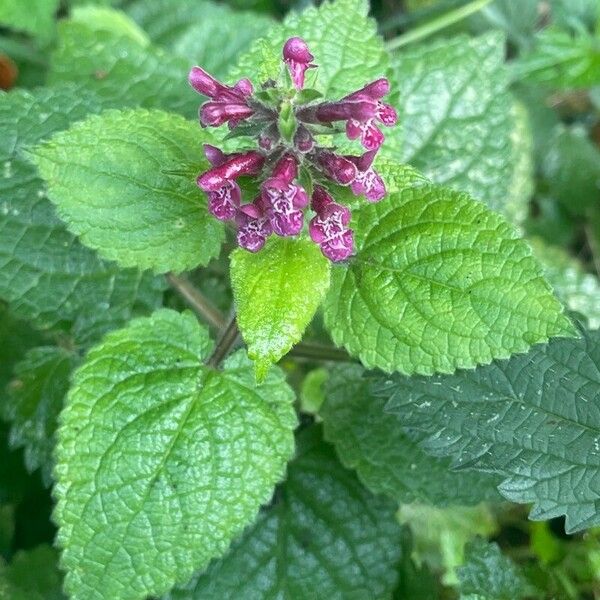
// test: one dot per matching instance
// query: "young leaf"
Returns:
(46, 275)
(457, 121)
(490, 575)
(325, 536)
(350, 52)
(579, 290)
(439, 282)
(36, 18)
(533, 419)
(109, 177)
(35, 399)
(162, 461)
(121, 70)
(386, 459)
(277, 292)
(100, 18)
(203, 32)
(32, 575)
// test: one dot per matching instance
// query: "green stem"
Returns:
(453, 16)
(225, 343)
(319, 352)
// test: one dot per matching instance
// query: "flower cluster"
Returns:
(287, 121)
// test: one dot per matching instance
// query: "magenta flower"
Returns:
(367, 181)
(298, 59)
(329, 227)
(287, 125)
(283, 199)
(254, 226)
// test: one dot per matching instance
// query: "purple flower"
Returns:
(224, 194)
(328, 227)
(298, 59)
(229, 104)
(303, 140)
(283, 199)
(367, 182)
(254, 226)
(336, 167)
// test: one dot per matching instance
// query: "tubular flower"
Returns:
(286, 122)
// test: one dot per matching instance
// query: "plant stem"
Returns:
(319, 352)
(225, 343)
(453, 16)
(196, 301)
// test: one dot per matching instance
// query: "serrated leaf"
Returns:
(205, 33)
(457, 121)
(122, 71)
(349, 55)
(32, 575)
(36, 395)
(579, 290)
(387, 461)
(325, 536)
(46, 275)
(533, 419)
(109, 178)
(277, 292)
(561, 60)
(36, 18)
(161, 461)
(489, 575)
(439, 282)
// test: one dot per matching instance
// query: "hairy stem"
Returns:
(196, 301)
(311, 351)
(453, 16)
(225, 343)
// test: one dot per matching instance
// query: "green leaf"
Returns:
(32, 575)
(533, 419)
(387, 460)
(579, 290)
(561, 60)
(121, 70)
(162, 461)
(46, 275)
(571, 169)
(100, 18)
(416, 582)
(325, 536)
(208, 34)
(36, 18)
(277, 292)
(457, 121)
(439, 282)
(491, 576)
(342, 39)
(312, 394)
(36, 398)
(441, 534)
(109, 177)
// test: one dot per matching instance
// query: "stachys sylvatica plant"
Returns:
(371, 344)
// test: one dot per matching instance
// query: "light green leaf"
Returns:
(325, 536)
(37, 392)
(439, 282)
(32, 575)
(162, 461)
(111, 182)
(121, 70)
(440, 534)
(277, 292)
(342, 39)
(457, 121)
(489, 575)
(36, 17)
(205, 33)
(534, 420)
(99, 18)
(46, 275)
(387, 460)
(561, 60)
(579, 290)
